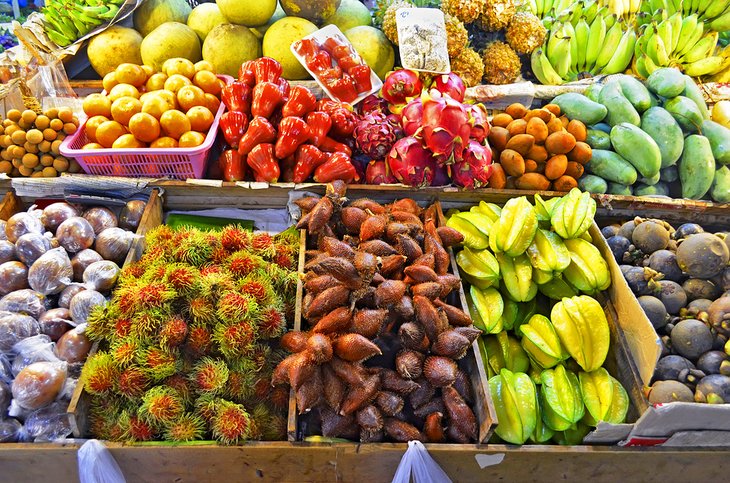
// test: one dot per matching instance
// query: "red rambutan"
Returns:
(161, 405)
(199, 340)
(147, 324)
(136, 428)
(260, 356)
(182, 277)
(194, 248)
(160, 235)
(209, 375)
(209, 269)
(201, 310)
(133, 271)
(206, 407)
(255, 288)
(231, 423)
(100, 373)
(159, 363)
(188, 427)
(173, 332)
(284, 260)
(154, 294)
(234, 238)
(262, 388)
(124, 350)
(122, 327)
(181, 384)
(127, 298)
(219, 255)
(263, 243)
(213, 284)
(271, 323)
(233, 306)
(132, 382)
(234, 340)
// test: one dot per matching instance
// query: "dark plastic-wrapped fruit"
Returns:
(619, 245)
(669, 391)
(697, 288)
(665, 262)
(686, 230)
(101, 276)
(703, 255)
(640, 280)
(131, 215)
(650, 236)
(51, 273)
(25, 301)
(7, 251)
(13, 276)
(100, 218)
(39, 384)
(610, 230)
(710, 362)
(3, 235)
(10, 430)
(31, 246)
(654, 310)
(718, 314)
(82, 260)
(669, 367)
(16, 327)
(627, 229)
(114, 243)
(56, 213)
(5, 397)
(21, 223)
(691, 338)
(672, 296)
(73, 346)
(713, 389)
(55, 322)
(83, 303)
(64, 300)
(75, 234)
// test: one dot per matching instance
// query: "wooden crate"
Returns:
(471, 363)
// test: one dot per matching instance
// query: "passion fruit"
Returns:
(654, 310)
(669, 391)
(669, 367)
(665, 262)
(697, 288)
(703, 255)
(686, 230)
(619, 246)
(710, 362)
(691, 338)
(713, 389)
(650, 236)
(672, 296)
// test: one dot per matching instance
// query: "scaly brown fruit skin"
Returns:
(307, 204)
(427, 316)
(440, 371)
(430, 290)
(389, 402)
(294, 341)
(309, 393)
(401, 431)
(341, 269)
(501, 63)
(434, 405)
(334, 388)
(319, 283)
(389, 293)
(525, 32)
(370, 418)
(462, 384)
(451, 344)
(336, 248)
(409, 248)
(461, 417)
(335, 321)
(469, 66)
(368, 322)
(355, 348)
(455, 316)
(327, 301)
(353, 218)
(335, 425)
(409, 364)
(432, 428)
(321, 215)
(420, 274)
(358, 396)
(320, 348)
(392, 381)
(378, 247)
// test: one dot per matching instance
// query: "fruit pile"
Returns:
(31, 143)
(681, 278)
(141, 108)
(67, 21)
(188, 339)
(522, 261)
(379, 358)
(538, 149)
(646, 136)
(50, 280)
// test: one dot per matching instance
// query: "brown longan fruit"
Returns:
(7, 122)
(9, 130)
(30, 147)
(74, 167)
(2, 129)
(52, 113)
(25, 125)
(49, 134)
(6, 167)
(28, 115)
(69, 128)
(18, 137)
(6, 141)
(44, 146)
(30, 160)
(56, 124)
(42, 122)
(56, 147)
(34, 136)
(5, 154)
(65, 114)
(49, 172)
(60, 164)
(18, 151)
(25, 171)
(14, 115)
(47, 160)
(75, 120)
(16, 163)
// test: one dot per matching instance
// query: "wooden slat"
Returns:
(291, 430)
(11, 204)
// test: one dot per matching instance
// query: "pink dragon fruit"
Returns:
(441, 175)
(479, 122)
(450, 84)
(446, 126)
(375, 136)
(373, 103)
(412, 117)
(476, 167)
(378, 172)
(411, 163)
(399, 85)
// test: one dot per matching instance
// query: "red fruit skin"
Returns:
(307, 159)
(329, 145)
(301, 101)
(361, 74)
(451, 85)
(236, 96)
(284, 87)
(233, 125)
(373, 103)
(411, 163)
(246, 73)
(267, 69)
(412, 117)
(318, 62)
(344, 88)
(267, 96)
(263, 163)
(399, 85)
(232, 165)
(338, 166)
(259, 131)
(446, 126)
(479, 123)
(476, 167)
(343, 122)
(319, 123)
(306, 47)
(293, 132)
(378, 172)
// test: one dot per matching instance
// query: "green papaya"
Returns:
(666, 82)
(583, 329)
(573, 214)
(720, 191)
(637, 147)
(612, 167)
(658, 123)
(719, 137)
(515, 229)
(635, 91)
(693, 92)
(619, 189)
(577, 106)
(658, 189)
(685, 112)
(651, 181)
(515, 402)
(541, 342)
(593, 184)
(619, 108)
(517, 277)
(561, 399)
(697, 167)
(602, 126)
(598, 139)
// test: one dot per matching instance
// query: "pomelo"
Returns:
(153, 13)
(374, 47)
(279, 13)
(313, 10)
(228, 46)
(251, 13)
(351, 13)
(116, 45)
(278, 40)
(169, 40)
(204, 18)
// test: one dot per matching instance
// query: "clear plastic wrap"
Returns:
(39, 384)
(38, 348)
(56, 213)
(74, 346)
(49, 423)
(16, 327)
(101, 276)
(131, 215)
(97, 465)
(7, 251)
(31, 246)
(83, 303)
(75, 234)
(10, 430)
(21, 223)
(64, 300)
(114, 243)
(13, 276)
(82, 260)
(25, 301)
(5, 396)
(3, 235)
(51, 273)
(56, 322)
(6, 370)
(101, 218)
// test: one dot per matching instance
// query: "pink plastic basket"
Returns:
(179, 163)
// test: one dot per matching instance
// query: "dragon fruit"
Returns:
(475, 169)
(375, 136)
(441, 175)
(411, 163)
(479, 122)
(412, 117)
(399, 85)
(445, 125)
(451, 85)
(378, 172)
(373, 103)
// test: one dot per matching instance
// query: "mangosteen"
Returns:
(610, 230)
(686, 230)
(625, 268)
(720, 341)
(710, 362)
(669, 367)
(699, 305)
(666, 350)
(654, 310)
(719, 315)
(669, 391)
(650, 236)
(672, 296)
(698, 288)
(641, 280)
(690, 377)
(691, 338)
(722, 279)
(703, 255)
(627, 229)
(665, 262)
(713, 389)
(619, 246)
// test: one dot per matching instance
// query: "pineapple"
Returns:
(469, 66)
(456, 35)
(465, 10)
(389, 27)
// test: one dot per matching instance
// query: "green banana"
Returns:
(517, 277)
(541, 342)
(702, 49)
(588, 271)
(561, 399)
(583, 330)
(515, 229)
(596, 37)
(515, 402)
(582, 33)
(610, 44)
(543, 70)
(622, 57)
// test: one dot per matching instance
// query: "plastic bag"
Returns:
(21, 223)
(114, 243)
(56, 322)
(38, 348)
(13, 276)
(74, 346)
(5, 396)
(97, 465)
(417, 463)
(64, 300)
(83, 303)
(75, 234)
(101, 276)
(10, 430)
(16, 327)
(83, 259)
(3, 235)
(7, 251)
(56, 213)
(6, 371)
(131, 215)
(31, 246)
(51, 273)
(38, 385)
(49, 423)
(422, 40)
(100, 218)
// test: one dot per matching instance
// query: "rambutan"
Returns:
(259, 356)
(100, 373)
(194, 249)
(206, 407)
(243, 263)
(124, 350)
(160, 236)
(209, 375)
(231, 423)
(182, 277)
(187, 427)
(181, 384)
(268, 425)
(214, 283)
(199, 340)
(122, 327)
(147, 324)
(173, 333)
(234, 238)
(219, 255)
(234, 340)
(262, 388)
(154, 295)
(132, 382)
(257, 287)
(233, 306)
(208, 269)
(161, 405)
(279, 397)
(282, 280)
(284, 258)
(99, 323)
(136, 428)
(131, 272)
(159, 363)
(271, 323)
(241, 381)
(126, 298)
(201, 310)
(104, 416)
(263, 244)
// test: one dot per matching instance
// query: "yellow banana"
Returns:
(616, 7)
(595, 41)
(622, 57)
(689, 23)
(701, 49)
(707, 66)
(543, 70)
(715, 9)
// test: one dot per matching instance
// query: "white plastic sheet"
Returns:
(97, 465)
(418, 466)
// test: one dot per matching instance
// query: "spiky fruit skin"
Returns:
(456, 35)
(132, 382)
(465, 10)
(231, 422)
(501, 63)
(174, 331)
(235, 340)
(272, 323)
(374, 135)
(136, 428)
(209, 375)
(188, 427)
(161, 405)
(100, 373)
(235, 238)
(497, 15)
(525, 32)
(469, 66)
(389, 26)
(234, 306)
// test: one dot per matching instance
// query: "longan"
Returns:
(47, 160)
(49, 172)
(55, 147)
(6, 167)
(2, 129)
(44, 146)
(69, 128)
(25, 171)
(42, 122)
(25, 125)
(29, 116)
(65, 114)
(18, 151)
(30, 160)
(34, 136)
(74, 167)
(30, 148)
(5, 154)
(49, 134)
(52, 113)
(18, 137)
(14, 115)
(60, 164)
(9, 130)
(56, 124)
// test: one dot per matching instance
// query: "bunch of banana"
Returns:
(575, 9)
(680, 42)
(66, 21)
(715, 14)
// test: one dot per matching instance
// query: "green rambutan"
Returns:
(187, 427)
(271, 323)
(234, 238)
(159, 363)
(160, 236)
(100, 373)
(124, 350)
(154, 295)
(231, 423)
(263, 244)
(234, 306)
(99, 323)
(269, 426)
(148, 324)
(173, 332)
(209, 375)
(194, 248)
(132, 382)
(260, 356)
(135, 428)
(242, 263)
(206, 407)
(104, 416)
(200, 340)
(235, 340)
(200, 310)
(241, 380)
(213, 284)
(161, 405)
(182, 277)
(282, 280)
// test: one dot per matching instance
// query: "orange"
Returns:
(200, 118)
(131, 74)
(155, 105)
(203, 65)
(108, 132)
(212, 103)
(122, 90)
(126, 141)
(148, 70)
(144, 127)
(190, 96)
(169, 96)
(109, 81)
(97, 105)
(124, 108)
(179, 66)
(176, 81)
(92, 146)
(207, 81)
(156, 82)
(164, 142)
(191, 139)
(174, 123)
